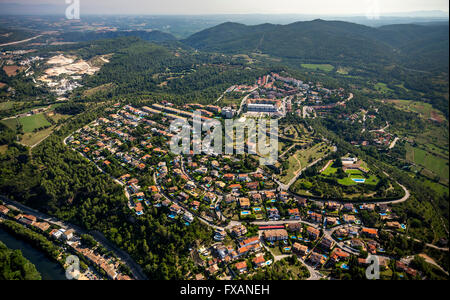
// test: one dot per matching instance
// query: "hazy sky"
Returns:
(331, 7)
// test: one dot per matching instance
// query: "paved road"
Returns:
(392, 145)
(22, 41)
(244, 100)
(382, 129)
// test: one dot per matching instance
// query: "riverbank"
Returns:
(49, 269)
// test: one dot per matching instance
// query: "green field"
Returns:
(294, 166)
(352, 174)
(319, 67)
(6, 105)
(330, 170)
(382, 87)
(11, 123)
(433, 163)
(343, 70)
(356, 174)
(305, 157)
(33, 122)
(31, 138)
(425, 110)
(313, 153)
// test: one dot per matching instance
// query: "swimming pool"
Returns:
(257, 208)
(359, 180)
(245, 212)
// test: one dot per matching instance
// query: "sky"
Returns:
(185, 7)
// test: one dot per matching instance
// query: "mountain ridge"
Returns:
(332, 41)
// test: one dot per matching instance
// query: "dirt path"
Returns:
(432, 262)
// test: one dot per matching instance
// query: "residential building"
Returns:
(317, 259)
(313, 233)
(239, 230)
(327, 243)
(275, 235)
(241, 266)
(259, 260)
(295, 227)
(294, 214)
(68, 234)
(3, 209)
(370, 232)
(300, 249)
(244, 203)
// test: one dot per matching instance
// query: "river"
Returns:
(49, 269)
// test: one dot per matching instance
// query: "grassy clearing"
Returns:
(437, 165)
(30, 139)
(370, 179)
(319, 67)
(99, 89)
(11, 123)
(229, 101)
(6, 105)
(244, 57)
(3, 149)
(305, 157)
(329, 171)
(309, 155)
(425, 110)
(294, 166)
(343, 70)
(33, 122)
(57, 117)
(382, 87)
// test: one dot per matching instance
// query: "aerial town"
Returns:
(255, 221)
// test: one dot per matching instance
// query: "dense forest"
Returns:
(13, 266)
(332, 41)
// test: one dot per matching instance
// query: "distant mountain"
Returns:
(328, 41)
(151, 36)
